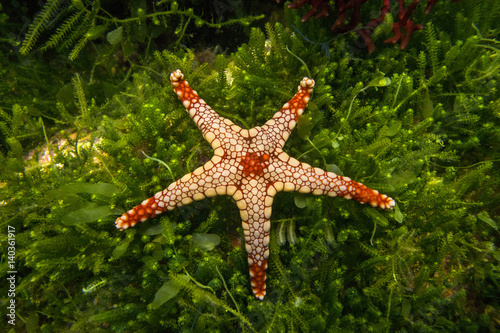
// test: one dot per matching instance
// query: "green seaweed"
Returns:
(90, 127)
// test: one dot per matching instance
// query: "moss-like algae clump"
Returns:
(85, 97)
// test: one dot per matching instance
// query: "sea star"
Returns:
(250, 166)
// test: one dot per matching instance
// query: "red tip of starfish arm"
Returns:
(364, 194)
(175, 77)
(295, 107)
(306, 84)
(300, 100)
(146, 210)
(258, 278)
(182, 88)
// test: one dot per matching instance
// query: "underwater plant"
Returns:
(84, 139)
(73, 24)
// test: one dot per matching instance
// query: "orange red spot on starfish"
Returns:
(254, 164)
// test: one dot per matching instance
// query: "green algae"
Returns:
(429, 139)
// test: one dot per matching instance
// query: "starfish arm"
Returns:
(206, 181)
(208, 121)
(301, 177)
(255, 203)
(284, 121)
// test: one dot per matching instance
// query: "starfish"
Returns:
(250, 166)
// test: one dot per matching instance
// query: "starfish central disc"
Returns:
(254, 164)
